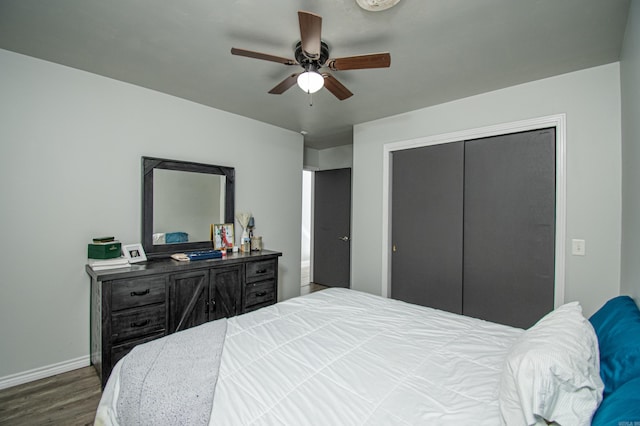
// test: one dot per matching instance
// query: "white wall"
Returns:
(591, 101)
(70, 148)
(339, 157)
(307, 188)
(311, 158)
(630, 82)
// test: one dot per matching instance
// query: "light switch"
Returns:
(578, 247)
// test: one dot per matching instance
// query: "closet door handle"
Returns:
(344, 238)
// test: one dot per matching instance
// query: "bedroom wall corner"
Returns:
(311, 158)
(70, 170)
(337, 157)
(630, 88)
(591, 101)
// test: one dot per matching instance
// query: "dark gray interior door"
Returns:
(509, 227)
(332, 228)
(426, 226)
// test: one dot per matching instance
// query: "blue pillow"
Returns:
(622, 407)
(617, 325)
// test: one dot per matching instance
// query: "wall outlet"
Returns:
(578, 247)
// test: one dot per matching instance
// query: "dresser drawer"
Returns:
(137, 323)
(139, 292)
(120, 351)
(260, 293)
(262, 270)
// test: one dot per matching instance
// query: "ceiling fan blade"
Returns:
(374, 60)
(285, 84)
(263, 56)
(335, 87)
(310, 33)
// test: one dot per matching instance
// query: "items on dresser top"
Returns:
(103, 248)
(105, 253)
(134, 253)
(102, 264)
(153, 299)
(102, 240)
(198, 255)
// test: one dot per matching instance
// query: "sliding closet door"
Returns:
(426, 226)
(509, 227)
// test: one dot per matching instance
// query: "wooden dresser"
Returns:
(143, 302)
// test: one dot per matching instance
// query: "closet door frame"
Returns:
(557, 121)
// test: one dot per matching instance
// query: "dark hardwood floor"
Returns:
(310, 288)
(65, 399)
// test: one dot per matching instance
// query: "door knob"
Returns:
(344, 238)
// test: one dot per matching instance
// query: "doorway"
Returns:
(326, 229)
(306, 273)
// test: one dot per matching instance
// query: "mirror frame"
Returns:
(149, 164)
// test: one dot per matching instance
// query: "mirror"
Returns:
(180, 201)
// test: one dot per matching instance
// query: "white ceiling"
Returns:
(441, 50)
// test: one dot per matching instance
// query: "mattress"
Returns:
(342, 357)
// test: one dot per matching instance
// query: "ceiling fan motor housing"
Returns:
(306, 62)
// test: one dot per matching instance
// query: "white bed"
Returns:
(342, 357)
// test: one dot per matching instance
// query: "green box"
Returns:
(104, 251)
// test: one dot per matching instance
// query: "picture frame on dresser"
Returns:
(223, 236)
(134, 253)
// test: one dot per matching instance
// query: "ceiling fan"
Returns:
(311, 53)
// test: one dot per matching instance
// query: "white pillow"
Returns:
(552, 372)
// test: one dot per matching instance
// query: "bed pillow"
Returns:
(552, 372)
(621, 407)
(617, 325)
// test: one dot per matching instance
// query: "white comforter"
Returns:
(341, 357)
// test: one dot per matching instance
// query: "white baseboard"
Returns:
(43, 372)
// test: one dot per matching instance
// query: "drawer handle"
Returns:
(262, 293)
(261, 271)
(139, 324)
(210, 306)
(139, 293)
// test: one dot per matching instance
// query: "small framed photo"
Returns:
(223, 236)
(134, 253)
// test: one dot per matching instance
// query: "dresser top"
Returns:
(159, 266)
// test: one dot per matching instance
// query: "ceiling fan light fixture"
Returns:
(376, 5)
(310, 81)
